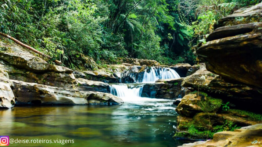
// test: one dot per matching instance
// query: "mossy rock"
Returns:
(246, 114)
(194, 103)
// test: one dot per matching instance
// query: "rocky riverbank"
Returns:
(226, 94)
(27, 79)
(221, 94)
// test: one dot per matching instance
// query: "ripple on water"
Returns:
(129, 125)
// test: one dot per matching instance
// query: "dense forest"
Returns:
(163, 30)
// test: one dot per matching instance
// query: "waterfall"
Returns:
(131, 93)
(159, 73)
(125, 91)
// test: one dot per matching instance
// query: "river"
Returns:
(139, 122)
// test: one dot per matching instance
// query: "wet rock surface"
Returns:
(177, 101)
(7, 98)
(181, 68)
(33, 81)
(169, 89)
(133, 74)
(37, 94)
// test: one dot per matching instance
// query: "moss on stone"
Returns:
(204, 128)
(208, 103)
(194, 133)
(246, 114)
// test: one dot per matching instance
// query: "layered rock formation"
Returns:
(244, 137)
(204, 110)
(238, 94)
(35, 81)
(234, 50)
(169, 89)
(98, 76)
(140, 62)
(32, 93)
(227, 95)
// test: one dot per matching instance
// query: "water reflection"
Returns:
(129, 125)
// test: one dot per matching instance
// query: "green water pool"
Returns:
(150, 124)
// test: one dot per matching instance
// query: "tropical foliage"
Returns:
(163, 30)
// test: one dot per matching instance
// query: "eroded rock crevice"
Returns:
(226, 95)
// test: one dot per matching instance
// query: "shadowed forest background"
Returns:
(163, 30)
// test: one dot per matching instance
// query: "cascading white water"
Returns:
(161, 73)
(123, 91)
(132, 93)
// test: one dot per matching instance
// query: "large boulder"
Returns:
(181, 68)
(100, 75)
(133, 74)
(245, 137)
(204, 124)
(23, 65)
(88, 85)
(233, 55)
(169, 89)
(195, 68)
(234, 49)
(60, 78)
(32, 93)
(7, 98)
(19, 57)
(201, 77)
(238, 94)
(194, 103)
(140, 62)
